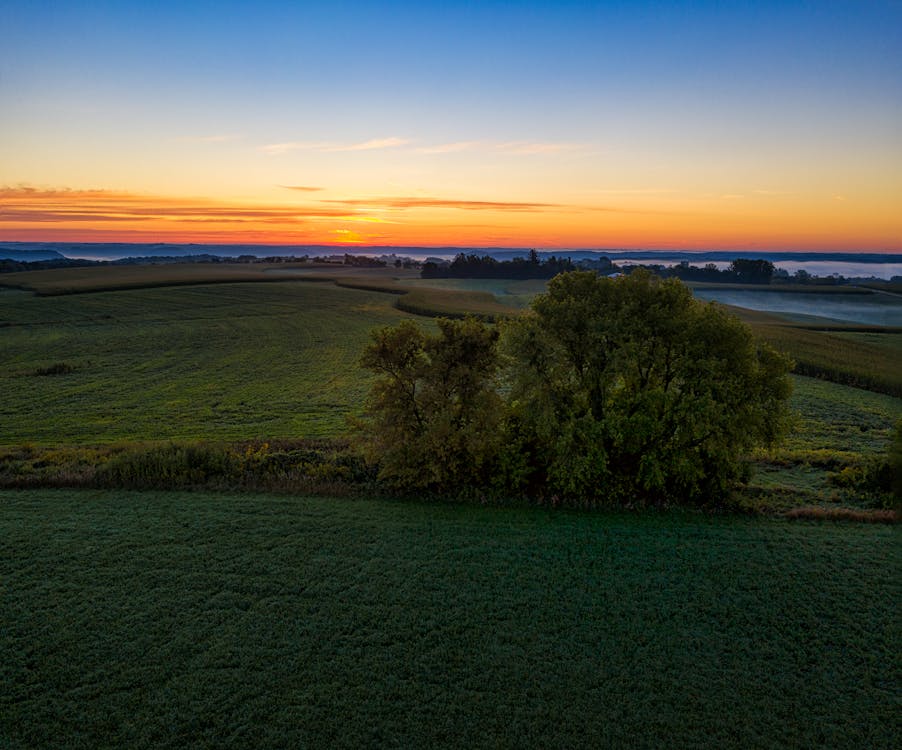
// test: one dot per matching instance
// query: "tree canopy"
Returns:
(434, 411)
(631, 390)
(616, 391)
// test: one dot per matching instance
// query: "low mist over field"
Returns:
(877, 310)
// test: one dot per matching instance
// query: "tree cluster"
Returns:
(622, 391)
(473, 266)
(740, 271)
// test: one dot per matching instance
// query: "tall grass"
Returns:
(298, 466)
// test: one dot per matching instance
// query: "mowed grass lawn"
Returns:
(226, 361)
(201, 620)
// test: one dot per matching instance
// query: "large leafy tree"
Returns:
(630, 390)
(434, 411)
(622, 391)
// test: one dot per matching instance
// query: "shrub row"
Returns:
(307, 466)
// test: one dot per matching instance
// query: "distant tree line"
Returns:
(740, 271)
(472, 266)
(11, 266)
(8, 265)
(358, 261)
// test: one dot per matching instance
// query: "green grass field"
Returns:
(835, 426)
(195, 620)
(228, 361)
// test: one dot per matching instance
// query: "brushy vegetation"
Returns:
(819, 513)
(323, 466)
(172, 620)
(623, 392)
(58, 368)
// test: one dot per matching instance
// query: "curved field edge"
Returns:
(172, 620)
(817, 352)
(429, 302)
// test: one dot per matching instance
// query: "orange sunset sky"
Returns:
(551, 125)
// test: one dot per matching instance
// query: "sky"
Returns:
(646, 125)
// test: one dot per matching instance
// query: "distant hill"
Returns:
(28, 256)
(109, 251)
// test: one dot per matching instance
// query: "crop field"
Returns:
(173, 620)
(112, 278)
(872, 361)
(229, 361)
(517, 293)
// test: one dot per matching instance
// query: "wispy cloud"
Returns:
(329, 146)
(512, 148)
(529, 148)
(282, 148)
(32, 205)
(372, 144)
(518, 148)
(451, 148)
(22, 206)
(419, 202)
(302, 188)
(405, 202)
(632, 191)
(220, 138)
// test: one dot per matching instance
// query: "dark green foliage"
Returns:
(620, 392)
(878, 480)
(59, 368)
(869, 482)
(630, 391)
(169, 466)
(434, 411)
(325, 466)
(471, 266)
(748, 271)
(165, 620)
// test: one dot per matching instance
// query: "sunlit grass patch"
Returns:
(453, 304)
(231, 361)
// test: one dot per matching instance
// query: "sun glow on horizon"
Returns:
(430, 129)
(640, 221)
